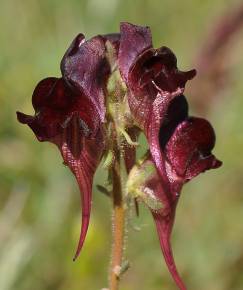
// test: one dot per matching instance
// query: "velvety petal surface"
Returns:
(189, 148)
(134, 41)
(148, 73)
(55, 103)
(85, 67)
(167, 112)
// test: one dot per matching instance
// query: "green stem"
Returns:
(119, 217)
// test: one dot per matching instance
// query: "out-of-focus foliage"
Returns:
(39, 199)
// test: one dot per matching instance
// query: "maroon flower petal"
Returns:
(55, 104)
(189, 148)
(154, 76)
(155, 71)
(42, 132)
(42, 92)
(74, 46)
(153, 81)
(199, 164)
(85, 68)
(157, 118)
(148, 72)
(134, 41)
(167, 112)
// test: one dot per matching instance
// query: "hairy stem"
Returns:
(118, 230)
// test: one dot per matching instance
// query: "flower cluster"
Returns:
(74, 112)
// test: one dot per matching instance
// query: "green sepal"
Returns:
(137, 188)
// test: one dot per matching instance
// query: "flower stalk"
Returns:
(118, 214)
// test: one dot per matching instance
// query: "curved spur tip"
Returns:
(83, 233)
(169, 259)
(164, 231)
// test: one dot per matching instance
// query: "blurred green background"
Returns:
(39, 199)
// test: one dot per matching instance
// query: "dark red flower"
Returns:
(180, 146)
(69, 113)
(148, 73)
(187, 152)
